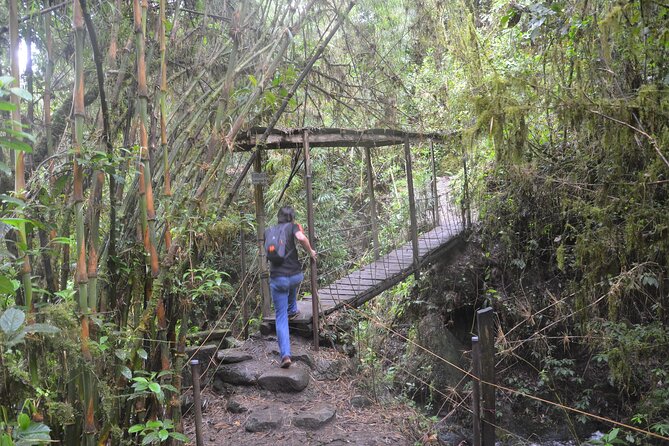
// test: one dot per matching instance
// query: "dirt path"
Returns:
(254, 402)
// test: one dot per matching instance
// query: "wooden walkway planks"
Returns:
(371, 280)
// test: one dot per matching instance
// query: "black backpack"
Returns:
(275, 243)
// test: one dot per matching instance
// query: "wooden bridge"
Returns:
(387, 270)
(371, 280)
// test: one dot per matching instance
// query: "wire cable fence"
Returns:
(468, 374)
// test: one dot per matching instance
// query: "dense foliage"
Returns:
(126, 235)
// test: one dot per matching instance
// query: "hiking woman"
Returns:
(286, 275)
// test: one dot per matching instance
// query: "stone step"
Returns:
(273, 416)
(290, 380)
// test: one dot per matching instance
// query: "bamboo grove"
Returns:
(123, 195)
(140, 106)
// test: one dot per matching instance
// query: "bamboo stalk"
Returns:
(161, 309)
(86, 384)
(98, 177)
(19, 158)
(49, 276)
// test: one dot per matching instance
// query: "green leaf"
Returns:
(63, 240)
(142, 353)
(154, 424)
(36, 431)
(15, 222)
(179, 437)
(41, 328)
(18, 146)
(18, 134)
(136, 428)
(169, 387)
(6, 80)
(122, 355)
(16, 339)
(125, 371)
(24, 421)
(20, 92)
(6, 440)
(7, 106)
(17, 201)
(11, 320)
(7, 286)
(153, 436)
(163, 434)
(253, 80)
(154, 387)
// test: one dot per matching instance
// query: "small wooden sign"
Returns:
(259, 178)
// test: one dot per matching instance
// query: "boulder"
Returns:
(240, 373)
(264, 420)
(235, 406)
(299, 354)
(293, 379)
(360, 401)
(314, 419)
(233, 355)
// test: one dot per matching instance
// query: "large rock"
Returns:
(314, 419)
(241, 373)
(233, 355)
(294, 379)
(235, 406)
(360, 401)
(299, 354)
(264, 420)
(330, 370)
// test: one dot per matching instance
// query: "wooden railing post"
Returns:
(466, 201)
(476, 390)
(260, 219)
(485, 325)
(310, 222)
(372, 202)
(435, 192)
(244, 287)
(412, 207)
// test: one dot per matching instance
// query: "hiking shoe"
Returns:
(293, 316)
(285, 362)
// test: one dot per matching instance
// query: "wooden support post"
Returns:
(466, 201)
(244, 287)
(260, 219)
(197, 401)
(412, 207)
(485, 325)
(476, 390)
(310, 222)
(435, 192)
(372, 202)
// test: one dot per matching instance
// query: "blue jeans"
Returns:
(284, 296)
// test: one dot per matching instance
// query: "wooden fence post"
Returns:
(372, 201)
(466, 200)
(476, 390)
(485, 325)
(260, 218)
(435, 192)
(244, 287)
(412, 206)
(310, 222)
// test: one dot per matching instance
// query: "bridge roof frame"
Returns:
(332, 137)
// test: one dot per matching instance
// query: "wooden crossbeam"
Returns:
(333, 137)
